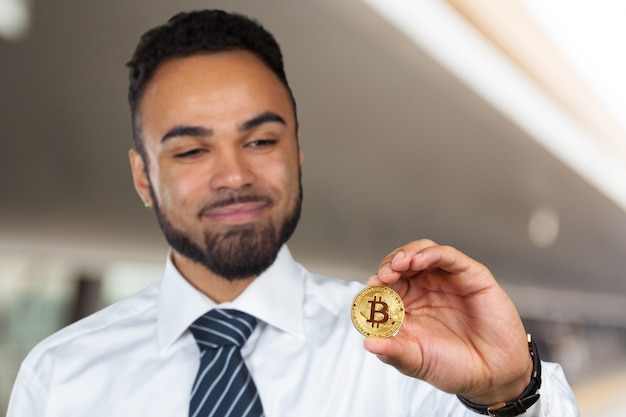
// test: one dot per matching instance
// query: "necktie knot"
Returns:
(222, 328)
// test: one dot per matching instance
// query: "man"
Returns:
(217, 157)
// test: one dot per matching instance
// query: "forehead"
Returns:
(213, 84)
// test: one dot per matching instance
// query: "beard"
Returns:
(242, 252)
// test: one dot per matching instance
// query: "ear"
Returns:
(140, 177)
(300, 154)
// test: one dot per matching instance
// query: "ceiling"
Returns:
(396, 148)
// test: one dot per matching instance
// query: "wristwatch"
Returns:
(520, 404)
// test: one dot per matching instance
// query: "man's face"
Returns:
(223, 161)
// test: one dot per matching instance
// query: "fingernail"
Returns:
(386, 269)
(398, 256)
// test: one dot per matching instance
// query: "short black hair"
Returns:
(196, 32)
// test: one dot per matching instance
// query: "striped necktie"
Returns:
(223, 386)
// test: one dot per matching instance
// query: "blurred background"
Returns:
(494, 126)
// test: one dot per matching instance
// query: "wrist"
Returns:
(504, 392)
(516, 405)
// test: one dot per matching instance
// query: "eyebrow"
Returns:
(267, 117)
(199, 131)
(195, 131)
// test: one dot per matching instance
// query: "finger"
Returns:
(402, 254)
(442, 257)
(391, 351)
(384, 348)
(399, 260)
(374, 280)
(387, 274)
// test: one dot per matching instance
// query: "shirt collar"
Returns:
(275, 297)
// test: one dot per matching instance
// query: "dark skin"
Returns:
(461, 332)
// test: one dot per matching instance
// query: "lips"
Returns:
(237, 213)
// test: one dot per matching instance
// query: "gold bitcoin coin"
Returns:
(377, 312)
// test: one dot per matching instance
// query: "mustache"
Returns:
(238, 198)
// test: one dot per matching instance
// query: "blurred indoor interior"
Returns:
(492, 126)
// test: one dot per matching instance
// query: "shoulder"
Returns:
(105, 327)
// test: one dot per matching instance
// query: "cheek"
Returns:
(177, 188)
(290, 177)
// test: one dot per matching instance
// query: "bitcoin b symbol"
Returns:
(383, 310)
(377, 312)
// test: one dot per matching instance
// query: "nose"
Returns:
(231, 171)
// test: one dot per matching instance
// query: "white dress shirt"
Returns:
(137, 358)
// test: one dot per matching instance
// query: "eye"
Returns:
(261, 143)
(190, 153)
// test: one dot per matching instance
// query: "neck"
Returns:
(218, 288)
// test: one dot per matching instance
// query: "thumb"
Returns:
(377, 347)
(392, 352)
(385, 349)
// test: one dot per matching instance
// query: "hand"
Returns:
(461, 332)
